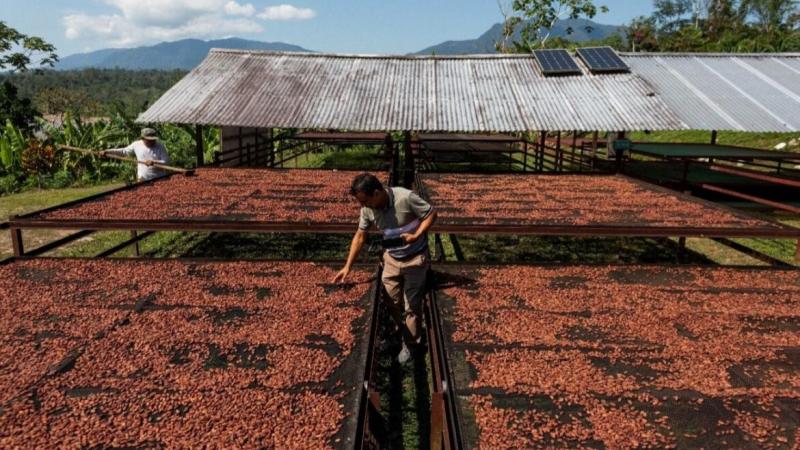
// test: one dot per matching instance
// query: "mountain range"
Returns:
(186, 54)
(485, 43)
(183, 54)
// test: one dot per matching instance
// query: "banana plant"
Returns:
(12, 143)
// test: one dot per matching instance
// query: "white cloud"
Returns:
(117, 31)
(147, 21)
(287, 12)
(234, 9)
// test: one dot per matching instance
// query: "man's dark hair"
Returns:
(366, 183)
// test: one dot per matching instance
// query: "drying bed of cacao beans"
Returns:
(578, 200)
(229, 195)
(623, 357)
(178, 354)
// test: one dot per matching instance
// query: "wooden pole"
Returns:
(574, 147)
(186, 172)
(542, 143)
(559, 154)
(408, 166)
(713, 137)
(135, 237)
(16, 242)
(199, 145)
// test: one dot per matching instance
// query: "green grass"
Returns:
(33, 200)
(405, 394)
(765, 141)
(355, 158)
(29, 201)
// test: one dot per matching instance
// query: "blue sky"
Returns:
(348, 26)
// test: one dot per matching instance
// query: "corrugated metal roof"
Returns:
(484, 93)
(746, 92)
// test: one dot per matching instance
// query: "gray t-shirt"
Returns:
(403, 214)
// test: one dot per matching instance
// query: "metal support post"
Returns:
(437, 421)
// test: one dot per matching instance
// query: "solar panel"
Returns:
(557, 62)
(602, 60)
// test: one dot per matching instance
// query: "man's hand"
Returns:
(408, 238)
(148, 162)
(339, 278)
(102, 153)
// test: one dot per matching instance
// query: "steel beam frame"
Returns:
(445, 424)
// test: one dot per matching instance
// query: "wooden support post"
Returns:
(16, 242)
(459, 253)
(682, 249)
(239, 148)
(136, 249)
(271, 148)
(525, 156)
(408, 163)
(542, 143)
(797, 252)
(713, 137)
(200, 150)
(559, 153)
(437, 239)
(685, 176)
(256, 147)
(574, 147)
(594, 147)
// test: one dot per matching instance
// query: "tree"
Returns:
(723, 16)
(19, 111)
(772, 15)
(17, 50)
(536, 19)
(16, 53)
(642, 35)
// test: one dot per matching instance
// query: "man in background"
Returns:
(148, 151)
(404, 218)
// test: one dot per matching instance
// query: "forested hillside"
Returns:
(93, 92)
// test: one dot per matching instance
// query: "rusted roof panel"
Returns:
(483, 93)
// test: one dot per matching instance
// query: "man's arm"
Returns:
(355, 248)
(423, 227)
(124, 151)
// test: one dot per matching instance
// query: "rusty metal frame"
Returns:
(776, 231)
(778, 155)
(445, 424)
(369, 400)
